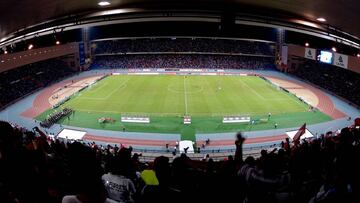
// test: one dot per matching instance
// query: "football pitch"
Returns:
(167, 98)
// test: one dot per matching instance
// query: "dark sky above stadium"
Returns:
(343, 14)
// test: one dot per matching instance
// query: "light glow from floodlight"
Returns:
(104, 3)
(321, 19)
(57, 42)
(358, 55)
(334, 49)
(307, 23)
(307, 44)
(30, 46)
(5, 52)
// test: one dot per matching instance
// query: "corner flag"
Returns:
(299, 133)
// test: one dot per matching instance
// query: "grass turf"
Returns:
(206, 99)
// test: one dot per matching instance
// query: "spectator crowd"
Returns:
(21, 81)
(38, 168)
(205, 45)
(182, 61)
(204, 53)
(340, 81)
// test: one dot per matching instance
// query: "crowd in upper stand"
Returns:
(183, 61)
(340, 81)
(21, 81)
(183, 45)
(36, 168)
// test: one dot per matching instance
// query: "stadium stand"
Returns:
(208, 45)
(340, 81)
(182, 53)
(38, 168)
(21, 81)
(182, 61)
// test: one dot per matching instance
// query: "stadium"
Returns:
(179, 101)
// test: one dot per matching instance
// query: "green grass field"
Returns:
(206, 99)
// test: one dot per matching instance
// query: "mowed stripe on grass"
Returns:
(176, 95)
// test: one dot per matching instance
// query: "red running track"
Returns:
(325, 104)
(41, 101)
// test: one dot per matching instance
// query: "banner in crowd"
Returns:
(310, 53)
(81, 53)
(340, 60)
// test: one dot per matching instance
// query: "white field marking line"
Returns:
(90, 98)
(278, 99)
(290, 95)
(259, 95)
(121, 112)
(185, 94)
(177, 114)
(91, 89)
(123, 85)
(251, 113)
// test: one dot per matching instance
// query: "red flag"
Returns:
(299, 133)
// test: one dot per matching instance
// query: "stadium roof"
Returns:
(16, 15)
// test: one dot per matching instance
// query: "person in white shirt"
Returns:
(117, 183)
(75, 199)
(119, 188)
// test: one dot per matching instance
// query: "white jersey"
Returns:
(119, 188)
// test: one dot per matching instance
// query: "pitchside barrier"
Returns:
(236, 119)
(135, 119)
